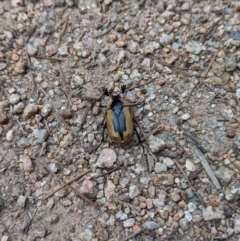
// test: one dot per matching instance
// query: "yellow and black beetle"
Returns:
(119, 119)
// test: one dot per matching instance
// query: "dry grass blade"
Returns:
(207, 168)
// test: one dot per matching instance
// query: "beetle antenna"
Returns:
(105, 91)
(123, 88)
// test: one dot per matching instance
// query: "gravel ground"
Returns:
(179, 61)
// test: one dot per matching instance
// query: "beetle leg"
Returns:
(105, 91)
(103, 131)
(139, 140)
(123, 88)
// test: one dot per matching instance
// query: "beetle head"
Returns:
(114, 97)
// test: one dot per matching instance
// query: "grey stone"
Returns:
(156, 144)
(24, 142)
(237, 224)
(133, 191)
(211, 213)
(183, 224)
(235, 35)
(193, 47)
(18, 108)
(54, 167)
(225, 175)
(159, 167)
(42, 136)
(166, 39)
(150, 225)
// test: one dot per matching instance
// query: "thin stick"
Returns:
(86, 112)
(106, 31)
(31, 74)
(137, 86)
(190, 16)
(46, 124)
(43, 72)
(63, 30)
(170, 235)
(5, 91)
(81, 36)
(67, 183)
(191, 92)
(210, 30)
(43, 148)
(210, 65)
(111, 171)
(204, 75)
(76, 191)
(132, 235)
(174, 68)
(50, 58)
(16, 118)
(63, 82)
(180, 168)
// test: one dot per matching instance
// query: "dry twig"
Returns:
(210, 65)
(50, 58)
(186, 177)
(132, 235)
(65, 183)
(63, 30)
(137, 86)
(64, 85)
(31, 74)
(86, 112)
(110, 171)
(204, 75)
(174, 68)
(190, 16)
(46, 124)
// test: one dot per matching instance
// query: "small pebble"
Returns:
(31, 49)
(14, 98)
(30, 110)
(54, 167)
(129, 223)
(21, 201)
(24, 142)
(159, 167)
(133, 191)
(156, 144)
(66, 114)
(26, 164)
(42, 136)
(18, 108)
(211, 214)
(107, 158)
(150, 225)
(9, 135)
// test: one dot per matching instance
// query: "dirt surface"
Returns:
(179, 61)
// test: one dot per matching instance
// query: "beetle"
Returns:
(119, 119)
